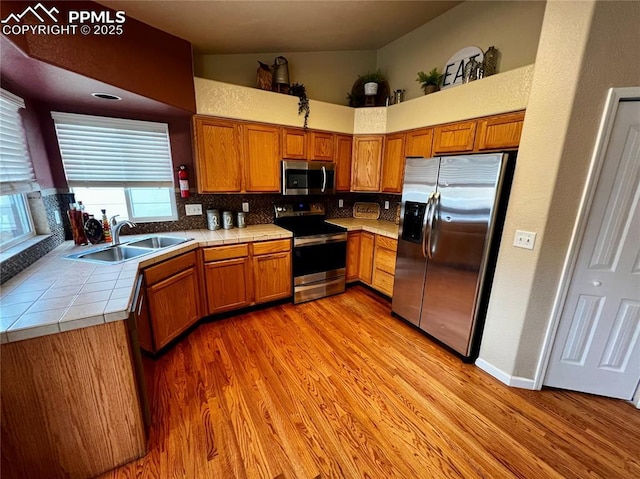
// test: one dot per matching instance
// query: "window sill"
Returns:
(20, 248)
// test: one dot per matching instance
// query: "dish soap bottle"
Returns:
(106, 227)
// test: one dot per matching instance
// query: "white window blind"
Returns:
(106, 152)
(16, 170)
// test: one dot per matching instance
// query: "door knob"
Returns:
(596, 283)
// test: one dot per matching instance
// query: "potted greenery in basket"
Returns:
(430, 82)
(371, 82)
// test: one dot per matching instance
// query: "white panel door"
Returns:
(597, 346)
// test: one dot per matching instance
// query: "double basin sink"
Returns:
(126, 251)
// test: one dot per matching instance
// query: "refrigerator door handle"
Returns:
(426, 231)
(435, 200)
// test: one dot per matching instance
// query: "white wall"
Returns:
(513, 27)
(585, 48)
(327, 76)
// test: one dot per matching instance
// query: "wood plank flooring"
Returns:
(337, 388)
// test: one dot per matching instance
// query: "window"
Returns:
(16, 173)
(123, 166)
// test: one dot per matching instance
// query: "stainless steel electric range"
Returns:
(319, 250)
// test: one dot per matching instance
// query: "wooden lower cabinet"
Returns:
(365, 266)
(384, 264)
(353, 256)
(272, 276)
(174, 305)
(228, 284)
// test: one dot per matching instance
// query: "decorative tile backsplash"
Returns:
(261, 209)
(18, 262)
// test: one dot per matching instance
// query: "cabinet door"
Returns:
(228, 284)
(321, 146)
(500, 132)
(419, 143)
(353, 255)
(393, 163)
(174, 305)
(455, 138)
(365, 267)
(294, 144)
(143, 324)
(366, 159)
(344, 144)
(261, 158)
(272, 276)
(218, 159)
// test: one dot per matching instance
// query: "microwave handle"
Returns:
(324, 179)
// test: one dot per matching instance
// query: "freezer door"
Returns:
(421, 176)
(461, 219)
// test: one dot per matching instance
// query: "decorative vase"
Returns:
(371, 88)
(430, 89)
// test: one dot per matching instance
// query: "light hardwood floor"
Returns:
(339, 388)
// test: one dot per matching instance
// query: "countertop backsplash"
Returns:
(261, 208)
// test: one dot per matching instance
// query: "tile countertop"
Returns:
(379, 227)
(56, 294)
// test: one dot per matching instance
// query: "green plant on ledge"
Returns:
(376, 77)
(298, 89)
(429, 82)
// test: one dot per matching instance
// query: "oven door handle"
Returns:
(324, 179)
(320, 239)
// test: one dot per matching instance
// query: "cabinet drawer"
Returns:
(383, 281)
(268, 247)
(168, 268)
(226, 252)
(388, 243)
(386, 260)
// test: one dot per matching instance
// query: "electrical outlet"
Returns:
(56, 215)
(245, 206)
(193, 210)
(340, 203)
(524, 239)
(386, 205)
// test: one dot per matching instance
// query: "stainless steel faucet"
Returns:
(116, 227)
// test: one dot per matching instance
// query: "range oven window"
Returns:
(317, 258)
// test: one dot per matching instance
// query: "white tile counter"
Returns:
(379, 227)
(56, 294)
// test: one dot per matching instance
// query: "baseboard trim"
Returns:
(500, 375)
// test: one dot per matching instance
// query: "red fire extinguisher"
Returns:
(183, 178)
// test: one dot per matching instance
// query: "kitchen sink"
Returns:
(157, 242)
(126, 251)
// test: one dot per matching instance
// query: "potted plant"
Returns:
(299, 90)
(371, 82)
(430, 82)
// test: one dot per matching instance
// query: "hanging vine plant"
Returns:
(298, 89)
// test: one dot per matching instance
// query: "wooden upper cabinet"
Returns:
(499, 132)
(261, 149)
(321, 146)
(393, 163)
(344, 144)
(419, 143)
(294, 144)
(365, 162)
(454, 138)
(218, 157)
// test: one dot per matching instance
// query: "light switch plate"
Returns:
(340, 203)
(386, 205)
(524, 239)
(56, 215)
(245, 206)
(193, 210)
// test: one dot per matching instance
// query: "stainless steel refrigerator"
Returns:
(451, 208)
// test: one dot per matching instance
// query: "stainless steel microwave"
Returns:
(308, 177)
